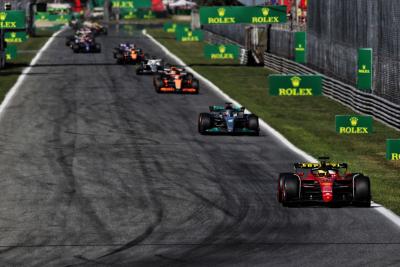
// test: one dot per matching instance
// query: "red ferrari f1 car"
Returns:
(323, 182)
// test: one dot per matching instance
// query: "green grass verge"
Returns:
(308, 122)
(25, 53)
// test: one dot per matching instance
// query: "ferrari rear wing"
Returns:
(309, 165)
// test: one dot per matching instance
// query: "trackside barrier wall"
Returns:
(337, 28)
(348, 95)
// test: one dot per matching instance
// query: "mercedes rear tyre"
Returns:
(362, 191)
(253, 124)
(204, 122)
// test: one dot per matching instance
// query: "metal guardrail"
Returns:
(348, 95)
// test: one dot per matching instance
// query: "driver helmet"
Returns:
(173, 70)
(228, 106)
(321, 173)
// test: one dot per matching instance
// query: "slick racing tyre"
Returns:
(120, 59)
(158, 83)
(362, 191)
(196, 85)
(281, 181)
(253, 124)
(75, 48)
(290, 190)
(204, 122)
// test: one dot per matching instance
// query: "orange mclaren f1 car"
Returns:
(176, 79)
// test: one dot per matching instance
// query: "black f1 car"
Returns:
(79, 34)
(324, 183)
(86, 45)
(228, 119)
(150, 66)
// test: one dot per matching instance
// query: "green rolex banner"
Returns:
(243, 14)
(11, 52)
(59, 18)
(131, 3)
(353, 124)
(122, 4)
(364, 71)
(295, 85)
(221, 51)
(173, 27)
(15, 37)
(184, 35)
(12, 19)
(145, 14)
(128, 13)
(42, 16)
(393, 149)
(300, 47)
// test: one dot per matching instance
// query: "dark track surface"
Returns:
(99, 170)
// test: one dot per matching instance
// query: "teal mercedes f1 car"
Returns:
(228, 120)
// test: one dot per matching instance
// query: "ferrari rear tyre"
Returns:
(362, 191)
(204, 122)
(290, 190)
(279, 194)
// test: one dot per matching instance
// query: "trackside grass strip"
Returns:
(25, 53)
(308, 122)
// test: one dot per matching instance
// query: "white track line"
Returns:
(265, 126)
(10, 94)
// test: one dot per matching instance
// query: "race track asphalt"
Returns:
(100, 170)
